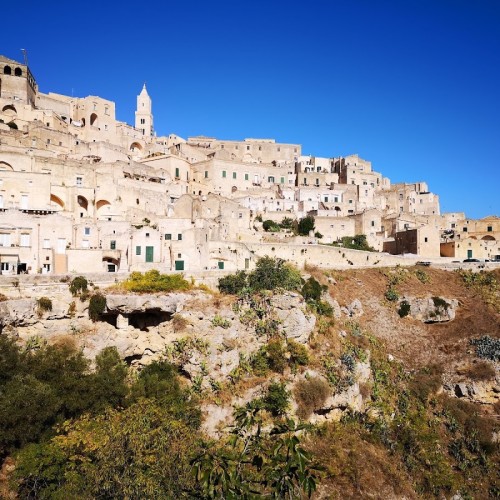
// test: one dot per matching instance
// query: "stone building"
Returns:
(81, 190)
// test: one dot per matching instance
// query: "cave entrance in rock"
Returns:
(145, 320)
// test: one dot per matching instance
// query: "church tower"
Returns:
(143, 114)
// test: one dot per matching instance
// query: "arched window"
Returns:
(55, 199)
(18, 72)
(83, 202)
(93, 119)
(7, 70)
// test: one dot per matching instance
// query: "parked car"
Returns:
(472, 260)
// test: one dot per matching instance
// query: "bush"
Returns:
(404, 309)
(298, 353)
(306, 224)
(44, 304)
(310, 395)
(318, 235)
(218, 320)
(271, 273)
(312, 290)
(97, 306)
(277, 399)
(3, 297)
(287, 223)
(391, 294)
(78, 285)
(276, 359)
(234, 283)
(152, 282)
(271, 226)
(357, 242)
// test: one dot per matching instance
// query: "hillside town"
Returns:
(82, 191)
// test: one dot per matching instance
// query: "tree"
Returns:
(306, 224)
(271, 273)
(257, 464)
(139, 452)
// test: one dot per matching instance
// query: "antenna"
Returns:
(25, 54)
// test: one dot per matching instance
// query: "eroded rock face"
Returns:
(128, 304)
(295, 324)
(431, 309)
(18, 312)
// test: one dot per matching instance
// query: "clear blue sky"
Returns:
(412, 85)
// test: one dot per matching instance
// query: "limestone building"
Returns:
(81, 190)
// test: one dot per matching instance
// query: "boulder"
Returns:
(432, 309)
(18, 312)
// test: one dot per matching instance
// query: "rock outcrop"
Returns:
(431, 309)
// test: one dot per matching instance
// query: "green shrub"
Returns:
(276, 359)
(152, 282)
(218, 320)
(305, 225)
(440, 304)
(287, 223)
(271, 273)
(318, 235)
(391, 294)
(97, 306)
(310, 395)
(271, 226)
(422, 276)
(404, 309)
(312, 290)
(298, 353)
(277, 399)
(234, 283)
(78, 285)
(44, 304)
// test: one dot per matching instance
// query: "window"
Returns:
(177, 173)
(246, 177)
(248, 148)
(282, 180)
(490, 229)
(79, 181)
(426, 239)
(86, 231)
(112, 245)
(240, 215)
(270, 179)
(143, 121)
(373, 223)
(400, 209)
(465, 229)
(350, 202)
(168, 236)
(138, 250)
(46, 243)
(234, 175)
(336, 199)
(223, 174)
(206, 174)
(179, 236)
(4, 266)
(25, 240)
(179, 256)
(453, 225)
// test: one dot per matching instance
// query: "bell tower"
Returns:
(143, 114)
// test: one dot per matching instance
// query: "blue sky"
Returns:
(413, 85)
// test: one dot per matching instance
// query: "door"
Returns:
(221, 265)
(179, 265)
(469, 254)
(149, 254)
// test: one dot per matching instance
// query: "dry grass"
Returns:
(310, 394)
(480, 371)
